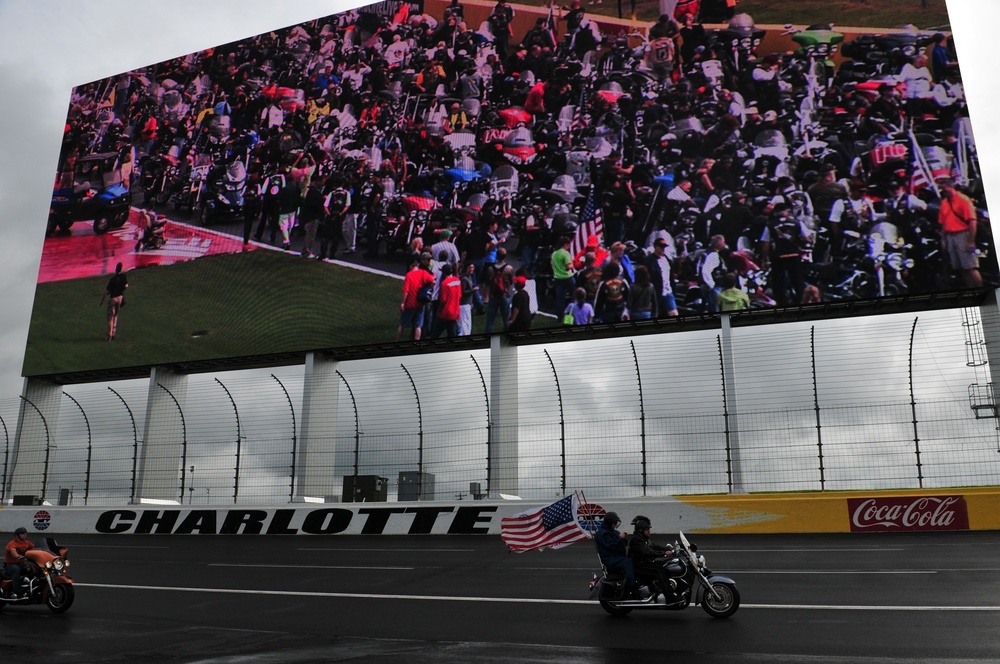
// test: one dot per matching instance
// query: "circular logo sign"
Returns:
(590, 516)
(42, 520)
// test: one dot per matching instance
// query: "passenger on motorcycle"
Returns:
(13, 558)
(612, 547)
(648, 558)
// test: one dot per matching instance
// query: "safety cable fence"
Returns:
(871, 403)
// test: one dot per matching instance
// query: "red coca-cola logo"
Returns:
(908, 514)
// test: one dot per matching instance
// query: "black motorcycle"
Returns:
(690, 581)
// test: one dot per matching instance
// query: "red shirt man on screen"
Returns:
(957, 217)
(448, 303)
(416, 295)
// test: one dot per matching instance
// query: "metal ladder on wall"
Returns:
(982, 399)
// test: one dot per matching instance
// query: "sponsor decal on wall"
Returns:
(910, 513)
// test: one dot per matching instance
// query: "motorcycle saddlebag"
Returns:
(612, 587)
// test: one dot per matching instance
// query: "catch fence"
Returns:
(872, 403)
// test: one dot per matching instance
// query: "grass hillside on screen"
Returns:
(233, 305)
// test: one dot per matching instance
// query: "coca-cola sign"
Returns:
(908, 513)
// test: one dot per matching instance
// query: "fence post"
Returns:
(184, 442)
(562, 425)
(48, 445)
(135, 444)
(6, 452)
(913, 410)
(489, 427)
(642, 416)
(420, 437)
(239, 441)
(90, 447)
(291, 409)
(357, 427)
(819, 429)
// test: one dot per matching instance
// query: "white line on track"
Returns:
(872, 549)
(516, 600)
(830, 571)
(757, 571)
(116, 546)
(384, 550)
(306, 566)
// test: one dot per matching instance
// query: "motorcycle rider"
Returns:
(13, 559)
(648, 557)
(612, 547)
(900, 207)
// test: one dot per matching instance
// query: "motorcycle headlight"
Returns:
(895, 261)
(701, 561)
(909, 263)
(59, 564)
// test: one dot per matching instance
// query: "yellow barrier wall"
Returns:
(832, 513)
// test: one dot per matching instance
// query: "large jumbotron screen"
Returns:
(406, 172)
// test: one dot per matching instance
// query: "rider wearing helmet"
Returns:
(612, 547)
(13, 558)
(649, 558)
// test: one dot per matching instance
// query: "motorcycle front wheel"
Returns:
(61, 598)
(726, 604)
(614, 609)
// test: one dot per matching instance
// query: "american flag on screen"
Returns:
(550, 527)
(591, 222)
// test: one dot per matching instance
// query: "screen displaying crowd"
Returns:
(572, 172)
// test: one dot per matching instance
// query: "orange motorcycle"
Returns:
(44, 579)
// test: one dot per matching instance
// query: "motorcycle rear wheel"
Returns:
(61, 598)
(726, 605)
(614, 609)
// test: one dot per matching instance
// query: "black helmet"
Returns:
(611, 520)
(21, 531)
(641, 523)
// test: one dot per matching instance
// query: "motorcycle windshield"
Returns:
(888, 232)
(236, 172)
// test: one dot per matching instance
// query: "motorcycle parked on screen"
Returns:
(691, 581)
(44, 579)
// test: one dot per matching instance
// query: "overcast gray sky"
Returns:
(48, 47)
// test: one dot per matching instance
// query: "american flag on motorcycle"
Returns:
(591, 222)
(550, 527)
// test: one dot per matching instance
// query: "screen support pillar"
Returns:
(316, 449)
(162, 470)
(503, 445)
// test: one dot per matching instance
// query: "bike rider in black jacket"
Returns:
(649, 558)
